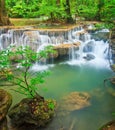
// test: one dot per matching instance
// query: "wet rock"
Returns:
(112, 80)
(89, 57)
(108, 126)
(113, 67)
(64, 49)
(32, 39)
(5, 102)
(80, 33)
(89, 47)
(112, 44)
(101, 35)
(75, 101)
(34, 111)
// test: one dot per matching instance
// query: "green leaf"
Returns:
(51, 105)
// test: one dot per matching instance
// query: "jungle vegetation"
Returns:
(60, 10)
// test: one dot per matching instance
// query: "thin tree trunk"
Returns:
(4, 20)
(58, 2)
(68, 12)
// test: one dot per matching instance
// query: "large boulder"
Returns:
(32, 111)
(74, 101)
(5, 103)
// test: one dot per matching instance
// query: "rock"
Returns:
(113, 67)
(77, 56)
(112, 80)
(3, 124)
(32, 39)
(89, 47)
(89, 57)
(64, 49)
(5, 103)
(75, 101)
(32, 112)
(108, 126)
(101, 35)
(112, 45)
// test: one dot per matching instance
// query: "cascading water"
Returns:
(90, 52)
(80, 77)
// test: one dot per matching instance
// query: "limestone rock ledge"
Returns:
(64, 50)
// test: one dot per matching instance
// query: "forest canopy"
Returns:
(101, 10)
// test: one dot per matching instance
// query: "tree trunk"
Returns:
(4, 20)
(100, 5)
(68, 12)
(58, 2)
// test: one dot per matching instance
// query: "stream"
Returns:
(84, 71)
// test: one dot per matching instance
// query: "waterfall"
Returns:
(90, 51)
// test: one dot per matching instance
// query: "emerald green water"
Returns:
(66, 78)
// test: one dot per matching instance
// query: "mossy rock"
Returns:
(113, 67)
(108, 126)
(5, 103)
(32, 111)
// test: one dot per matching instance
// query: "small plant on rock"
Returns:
(15, 65)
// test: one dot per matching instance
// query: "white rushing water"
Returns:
(91, 52)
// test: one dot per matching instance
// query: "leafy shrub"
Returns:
(27, 82)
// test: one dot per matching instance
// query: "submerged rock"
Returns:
(5, 103)
(111, 91)
(75, 101)
(32, 112)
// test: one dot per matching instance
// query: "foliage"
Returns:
(102, 10)
(88, 12)
(27, 82)
(52, 10)
(108, 11)
(23, 8)
(104, 25)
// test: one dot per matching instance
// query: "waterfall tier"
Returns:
(91, 49)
